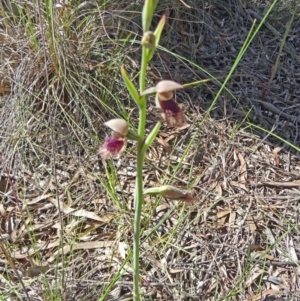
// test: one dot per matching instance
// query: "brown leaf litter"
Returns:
(238, 241)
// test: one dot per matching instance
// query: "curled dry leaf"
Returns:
(39, 198)
(243, 172)
(251, 223)
(276, 150)
(254, 275)
(265, 293)
(243, 164)
(218, 191)
(80, 212)
(82, 246)
(164, 144)
(295, 183)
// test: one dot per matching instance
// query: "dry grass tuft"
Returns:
(59, 77)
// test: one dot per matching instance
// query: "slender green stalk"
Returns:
(137, 221)
(139, 197)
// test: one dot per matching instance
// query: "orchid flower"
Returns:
(164, 99)
(115, 145)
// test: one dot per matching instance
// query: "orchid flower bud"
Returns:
(148, 40)
(170, 192)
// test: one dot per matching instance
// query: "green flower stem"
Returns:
(139, 196)
(138, 203)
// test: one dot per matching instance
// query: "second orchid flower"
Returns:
(164, 99)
